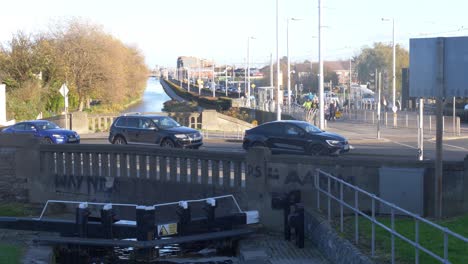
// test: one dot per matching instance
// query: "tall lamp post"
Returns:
(321, 93)
(278, 106)
(289, 60)
(394, 108)
(248, 70)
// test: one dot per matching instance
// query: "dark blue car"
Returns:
(47, 131)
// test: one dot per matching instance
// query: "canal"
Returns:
(153, 98)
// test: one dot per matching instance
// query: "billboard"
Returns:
(439, 67)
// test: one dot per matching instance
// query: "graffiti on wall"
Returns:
(85, 184)
(290, 175)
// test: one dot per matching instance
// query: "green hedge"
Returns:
(217, 103)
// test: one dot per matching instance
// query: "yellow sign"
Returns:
(167, 229)
(253, 85)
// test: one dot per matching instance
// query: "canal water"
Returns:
(153, 98)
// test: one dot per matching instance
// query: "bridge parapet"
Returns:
(140, 174)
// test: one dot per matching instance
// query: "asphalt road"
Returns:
(399, 142)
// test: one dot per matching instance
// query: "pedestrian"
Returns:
(332, 111)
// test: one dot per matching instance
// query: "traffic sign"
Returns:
(64, 90)
(394, 108)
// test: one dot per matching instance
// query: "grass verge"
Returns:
(429, 237)
(10, 253)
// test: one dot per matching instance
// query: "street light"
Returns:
(321, 93)
(394, 108)
(278, 106)
(289, 60)
(248, 70)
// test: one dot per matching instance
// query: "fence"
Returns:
(331, 180)
(404, 119)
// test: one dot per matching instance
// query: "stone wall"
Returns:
(151, 175)
(15, 167)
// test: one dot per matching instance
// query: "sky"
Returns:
(220, 29)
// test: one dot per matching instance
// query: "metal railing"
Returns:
(332, 180)
(405, 119)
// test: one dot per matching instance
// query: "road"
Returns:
(401, 142)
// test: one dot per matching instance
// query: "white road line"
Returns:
(409, 146)
(402, 144)
(448, 145)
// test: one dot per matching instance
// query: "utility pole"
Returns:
(271, 69)
(278, 106)
(378, 84)
(350, 82)
(226, 81)
(213, 83)
(321, 94)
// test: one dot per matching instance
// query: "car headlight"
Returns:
(333, 142)
(180, 136)
(57, 136)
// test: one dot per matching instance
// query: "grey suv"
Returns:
(153, 129)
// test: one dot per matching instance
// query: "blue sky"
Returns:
(218, 29)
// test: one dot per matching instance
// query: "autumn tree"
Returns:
(94, 64)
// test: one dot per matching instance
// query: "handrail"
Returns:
(418, 219)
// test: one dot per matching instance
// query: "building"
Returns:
(341, 68)
(197, 68)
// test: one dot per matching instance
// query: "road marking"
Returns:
(402, 144)
(448, 145)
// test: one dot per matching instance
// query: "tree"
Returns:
(380, 57)
(94, 64)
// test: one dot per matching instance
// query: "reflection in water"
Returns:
(153, 98)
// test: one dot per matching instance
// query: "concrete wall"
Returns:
(18, 162)
(267, 174)
(263, 116)
(212, 120)
(140, 174)
(133, 174)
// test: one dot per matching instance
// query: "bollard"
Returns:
(386, 119)
(81, 220)
(107, 219)
(146, 230)
(209, 209)
(284, 201)
(296, 221)
(183, 212)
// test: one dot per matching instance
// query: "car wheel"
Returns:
(316, 150)
(167, 143)
(119, 141)
(47, 141)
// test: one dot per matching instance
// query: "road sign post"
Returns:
(64, 92)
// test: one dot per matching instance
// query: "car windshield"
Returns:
(309, 128)
(46, 126)
(165, 122)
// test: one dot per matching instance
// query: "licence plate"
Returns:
(72, 139)
(346, 147)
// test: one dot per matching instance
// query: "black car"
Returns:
(295, 137)
(153, 129)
